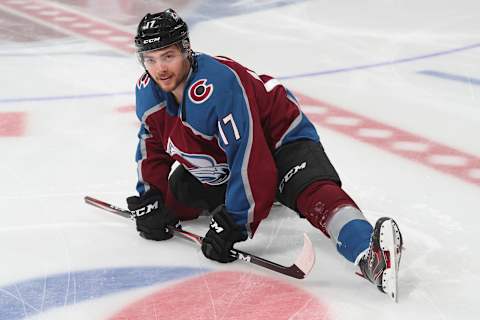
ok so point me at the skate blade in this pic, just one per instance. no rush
(391, 246)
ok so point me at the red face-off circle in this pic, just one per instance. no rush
(227, 295)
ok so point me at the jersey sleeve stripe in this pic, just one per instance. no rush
(246, 158)
(144, 134)
(292, 126)
(152, 110)
(143, 186)
(271, 84)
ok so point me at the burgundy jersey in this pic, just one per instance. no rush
(225, 130)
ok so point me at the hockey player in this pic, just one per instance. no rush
(242, 142)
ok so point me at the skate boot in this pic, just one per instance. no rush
(380, 263)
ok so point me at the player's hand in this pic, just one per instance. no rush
(151, 215)
(221, 236)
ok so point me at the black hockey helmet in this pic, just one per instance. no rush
(159, 30)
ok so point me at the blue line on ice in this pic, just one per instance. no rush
(381, 64)
(304, 75)
(450, 76)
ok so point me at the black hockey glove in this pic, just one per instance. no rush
(151, 215)
(221, 236)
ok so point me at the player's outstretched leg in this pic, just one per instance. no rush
(381, 262)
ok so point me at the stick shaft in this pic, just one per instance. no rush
(292, 271)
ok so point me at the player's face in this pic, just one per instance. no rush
(168, 67)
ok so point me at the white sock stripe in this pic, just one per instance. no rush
(343, 216)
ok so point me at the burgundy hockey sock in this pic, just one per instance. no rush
(327, 207)
(320, 201)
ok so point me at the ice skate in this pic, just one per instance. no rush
(381, 262)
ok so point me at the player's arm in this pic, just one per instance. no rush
(153, 167)
(153, 163)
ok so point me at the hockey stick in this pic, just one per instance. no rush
(299, 270)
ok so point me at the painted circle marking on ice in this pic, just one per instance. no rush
(35, 296)
(227, 295)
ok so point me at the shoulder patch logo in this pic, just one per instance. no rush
(143, 81)
(199, 91)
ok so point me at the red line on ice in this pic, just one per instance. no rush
(407, 145)
(12, 124)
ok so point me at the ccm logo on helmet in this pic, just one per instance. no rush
(199, 91)
(151, 40)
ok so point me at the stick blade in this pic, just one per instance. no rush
(306, 260)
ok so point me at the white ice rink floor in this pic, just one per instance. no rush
(393, 87)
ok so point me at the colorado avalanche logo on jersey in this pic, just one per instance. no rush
(202, 166)
(200, 91)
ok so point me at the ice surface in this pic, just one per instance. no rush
(67, 130)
